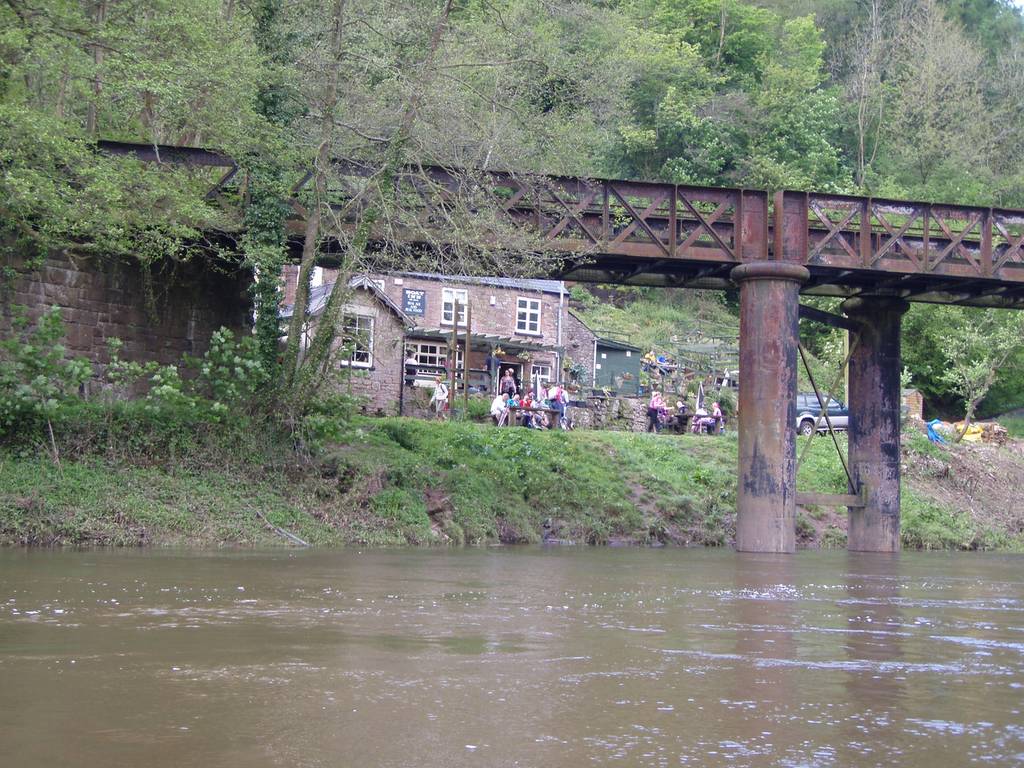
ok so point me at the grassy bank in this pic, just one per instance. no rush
(404, 481)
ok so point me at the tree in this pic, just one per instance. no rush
(937, 134)
(958, 355)
(389, 98)
(795, 145)
(977, 350)
(862, 62)
(155, 72)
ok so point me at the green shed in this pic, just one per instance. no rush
(616, 366)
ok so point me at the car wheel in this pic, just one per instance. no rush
(806, 427)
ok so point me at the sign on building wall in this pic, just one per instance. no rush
(414, 302)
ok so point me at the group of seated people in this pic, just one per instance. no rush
(543, 409)
(660, 415)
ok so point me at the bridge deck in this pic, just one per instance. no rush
(650, 233)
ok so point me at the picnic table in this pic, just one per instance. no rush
(711, 425)
(680, 422)
(513, 409)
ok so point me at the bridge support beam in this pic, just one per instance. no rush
(769, 335)
(874, 399)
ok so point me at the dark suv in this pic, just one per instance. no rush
(808, 410)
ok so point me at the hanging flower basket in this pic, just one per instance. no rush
(498, 351)
(524, 356)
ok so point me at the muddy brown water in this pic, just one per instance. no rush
(510, 657)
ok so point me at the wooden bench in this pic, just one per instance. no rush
(514, 409)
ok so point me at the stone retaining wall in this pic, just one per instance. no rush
(624, 414)
(102, 299)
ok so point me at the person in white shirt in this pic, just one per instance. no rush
(498, 408)
(440, 397)
(558, 399)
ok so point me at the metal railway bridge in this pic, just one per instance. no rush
(877, 254)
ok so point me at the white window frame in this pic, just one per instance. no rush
(526, 307)
(350, 326)
(434, 353)
(536, 378)
(449, 296)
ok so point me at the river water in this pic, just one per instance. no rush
(510, 657)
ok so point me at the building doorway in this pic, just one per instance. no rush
(517, 374)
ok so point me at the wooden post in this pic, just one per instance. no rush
(454, 357)
(465, 364)
(491, 368)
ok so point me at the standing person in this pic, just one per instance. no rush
(440, 397)
(559, 398)
(654, 409)
(507, 385)
(410, 368)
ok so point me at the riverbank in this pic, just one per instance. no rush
(405, 481)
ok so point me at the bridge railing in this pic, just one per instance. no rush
(913, 237)
(659, 221)
(577, 215)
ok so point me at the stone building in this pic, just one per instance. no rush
(370, 344)
(522, 325)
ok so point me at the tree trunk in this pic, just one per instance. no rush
(974, 402)
(99, 17)
(323, 340)
(321, 167)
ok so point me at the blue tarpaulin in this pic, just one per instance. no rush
(934, 436)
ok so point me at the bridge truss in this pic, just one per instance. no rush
(659, 234)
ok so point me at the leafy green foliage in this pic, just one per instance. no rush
(40, 384)
(35, 376)
(957, 355)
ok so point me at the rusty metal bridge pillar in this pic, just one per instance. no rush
(874, 399)
(769, 335)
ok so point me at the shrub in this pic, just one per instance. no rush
(35, 375)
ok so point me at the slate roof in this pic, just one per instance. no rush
(614, 344)
(517, 283)
(318, 299)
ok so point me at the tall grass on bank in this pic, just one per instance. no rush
(130, 477)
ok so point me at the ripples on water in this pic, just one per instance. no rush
(510, 658)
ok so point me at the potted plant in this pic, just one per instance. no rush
(524, 356)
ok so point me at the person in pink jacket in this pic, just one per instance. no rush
(654, 410)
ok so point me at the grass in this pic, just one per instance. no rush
(589, 486)
(402, 481)
(1014, 425)
(101, 503)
